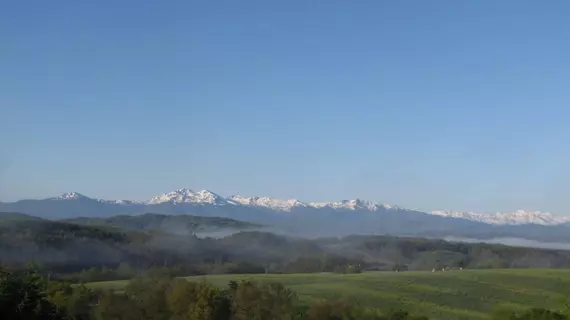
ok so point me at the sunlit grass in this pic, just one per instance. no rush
(467, 294)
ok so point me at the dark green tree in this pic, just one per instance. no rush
(24, 296)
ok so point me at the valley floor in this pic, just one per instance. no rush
(466, 294)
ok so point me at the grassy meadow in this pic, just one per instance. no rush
(466, 294)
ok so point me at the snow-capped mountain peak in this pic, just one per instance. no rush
(272, 203)
(353, 205)
(70, 196)
(237, 199)
(125, 202)
(79, 196)
(188, 196)
(507, 218)
(207, 196)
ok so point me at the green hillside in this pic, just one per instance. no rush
(466, 294)
(11, 217)
(177, 224)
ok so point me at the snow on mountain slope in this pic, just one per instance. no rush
(189, 196)
(79, 196)
(122, 201)
(287, 205)
(70, 196)
(353, 205)
(272, 203)
(205, 197)
(507, 218)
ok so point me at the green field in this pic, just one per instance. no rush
(467, 294)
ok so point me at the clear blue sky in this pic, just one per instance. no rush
(459, 105)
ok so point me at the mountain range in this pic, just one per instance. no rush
(518, 217)
(206, 197)
(308, 219)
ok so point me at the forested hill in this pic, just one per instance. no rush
(57, 243)
(176, 224)
(70, 247)
(10, 217)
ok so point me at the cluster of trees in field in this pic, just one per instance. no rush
(27, 295)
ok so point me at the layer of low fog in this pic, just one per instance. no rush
(516, 242)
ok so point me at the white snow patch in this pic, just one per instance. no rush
(506, 218)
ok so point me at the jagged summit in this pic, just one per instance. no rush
(277, 204)
(79, 196)
(354, 205)
(507, 218)
(287, 205)
(188, 196)
(70, 196)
